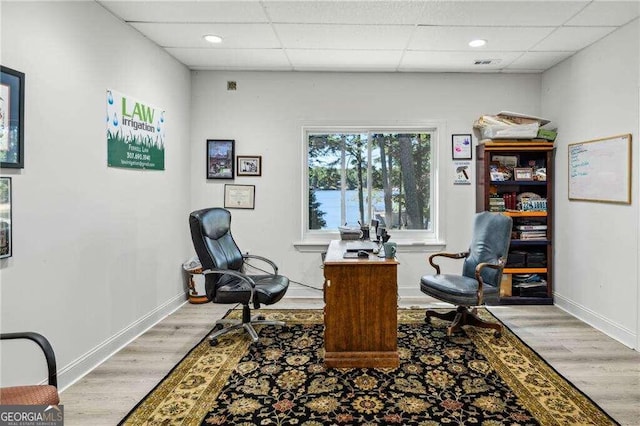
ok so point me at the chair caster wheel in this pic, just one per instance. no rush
(497, 334)
(218, 327)
(261, 317)
(213, 342)
(427, 320)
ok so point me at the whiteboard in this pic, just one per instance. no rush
(600, 170)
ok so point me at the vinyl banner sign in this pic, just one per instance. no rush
(135, 133)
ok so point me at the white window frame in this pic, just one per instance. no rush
(408, 240)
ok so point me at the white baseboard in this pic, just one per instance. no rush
(616, 331)
(81, 366)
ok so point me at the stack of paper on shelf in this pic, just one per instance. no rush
(512, 125)
(532, 232)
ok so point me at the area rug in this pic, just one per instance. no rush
(471, 378)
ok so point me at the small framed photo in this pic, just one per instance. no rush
(6, 242)
(461, 147)
(523, 173)
(240, 196)
(249, 165)
(11, 118)
(220, 158)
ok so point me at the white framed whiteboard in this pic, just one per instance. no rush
(600, 170)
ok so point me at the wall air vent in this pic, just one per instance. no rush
(486, 61)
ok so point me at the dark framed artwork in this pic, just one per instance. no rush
(6, 241)
(11, 118)
(240, 196)
(249, 165)
(461, 147)
(220, 158)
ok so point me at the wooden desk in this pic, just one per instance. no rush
(361, 310)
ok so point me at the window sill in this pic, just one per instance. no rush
(404, 246)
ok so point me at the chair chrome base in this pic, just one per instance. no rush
(463, 316)
(247, 323)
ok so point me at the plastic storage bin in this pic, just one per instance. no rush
(520, 131)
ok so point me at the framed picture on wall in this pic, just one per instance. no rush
(11, 118)
(249, 165)
(6, 242)
(220, 158)
(461, 147)
(239, 196)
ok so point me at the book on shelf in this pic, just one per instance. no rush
(531, 227)
(496, 204)
(510, 200)
(530, 285)
(532, 236)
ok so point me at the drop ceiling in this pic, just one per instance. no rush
(386, 36)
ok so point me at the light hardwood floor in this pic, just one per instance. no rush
(602, 368)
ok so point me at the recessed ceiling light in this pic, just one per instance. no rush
(477, 43)
(213, 38)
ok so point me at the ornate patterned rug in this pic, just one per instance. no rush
(472, 378)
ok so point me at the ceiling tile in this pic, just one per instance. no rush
(361, 37)
(500, 13)
(190, 35)
(455, 61)
(232, 59)
(538, 60)
(351, 60)
(345, 12)
(458, 38)
(605, 13)
(572, 38)
(374, 35)
(187, 11)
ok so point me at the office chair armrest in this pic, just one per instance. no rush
(46, 349)
(449, 255)
(264, 259)
(237, 274)
(479, 268)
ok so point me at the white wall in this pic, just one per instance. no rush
(592, 95)
(266, 114)
(97, 251)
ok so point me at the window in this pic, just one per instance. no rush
(357, 176)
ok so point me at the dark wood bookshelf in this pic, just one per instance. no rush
(533, 154)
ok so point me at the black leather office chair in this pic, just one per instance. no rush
(481, 274)
(223, 267)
